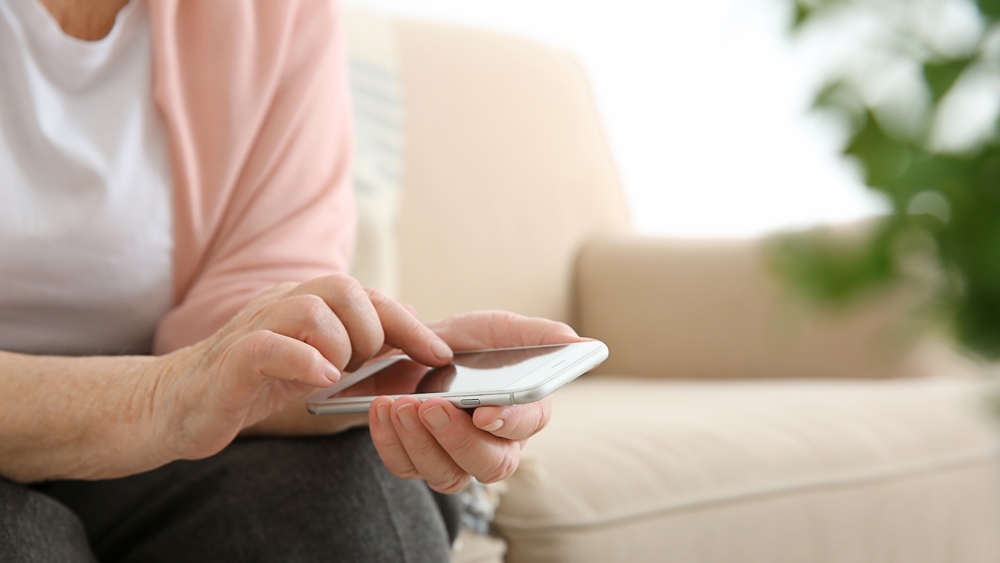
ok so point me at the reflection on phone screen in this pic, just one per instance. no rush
(469, 372)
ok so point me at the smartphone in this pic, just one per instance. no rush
(506, 376)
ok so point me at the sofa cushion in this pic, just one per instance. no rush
(715, 309)
(507, 170)
(808, 470)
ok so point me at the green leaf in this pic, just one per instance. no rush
(801, 14)
(990, 8)
(964, 237)
(951, 175)
(975, 321)
(838, 95)
(988, 174)
(941, 75)
(830, 270)
(883, 157)
(805, 10)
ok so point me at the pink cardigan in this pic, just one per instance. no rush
(254, 98)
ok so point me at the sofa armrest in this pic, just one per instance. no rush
(714, 309)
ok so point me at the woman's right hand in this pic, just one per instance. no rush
(284, 344)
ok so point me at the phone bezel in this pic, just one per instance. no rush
(534, 385)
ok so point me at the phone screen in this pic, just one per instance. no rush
(470, 372)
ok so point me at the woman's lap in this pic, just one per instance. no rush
(34, 527)
(281, 499)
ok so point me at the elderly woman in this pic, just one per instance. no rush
(176, 218)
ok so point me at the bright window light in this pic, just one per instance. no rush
(705, 105)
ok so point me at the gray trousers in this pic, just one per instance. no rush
(281, 499)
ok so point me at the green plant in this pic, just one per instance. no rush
(926, 148)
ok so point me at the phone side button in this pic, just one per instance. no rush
(470, 402)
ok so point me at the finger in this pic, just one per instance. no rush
(394, 432)
(387, 442)
(309, 319)
(263, 355)
(350, 303)
(518, 422)
(501, 329)
(428, 457)
(478, 453)
(406, 332)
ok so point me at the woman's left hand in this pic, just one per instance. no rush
(445, 445)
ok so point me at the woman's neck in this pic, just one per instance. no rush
(89, 20)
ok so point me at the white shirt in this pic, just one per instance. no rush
(86, 229)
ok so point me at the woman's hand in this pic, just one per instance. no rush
(445, 445)
(283, 345)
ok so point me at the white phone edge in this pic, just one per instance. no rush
(581, 366)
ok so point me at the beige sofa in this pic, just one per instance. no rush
(731, 422)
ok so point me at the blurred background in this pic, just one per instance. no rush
(705, 104)
(769, 429)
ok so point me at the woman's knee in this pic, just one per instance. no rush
(337, 488)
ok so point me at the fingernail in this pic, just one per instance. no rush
(437, 417)
(494, 426)
(408, 416)
(332, 373)
(441, 350)
(382, 412)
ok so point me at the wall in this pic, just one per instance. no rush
(704, 102)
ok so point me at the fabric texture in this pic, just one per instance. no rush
(506, 170)
(86, 231)
(814, 470)
(254, 99)
(37, 528)
(715, 309)
(281, 500)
